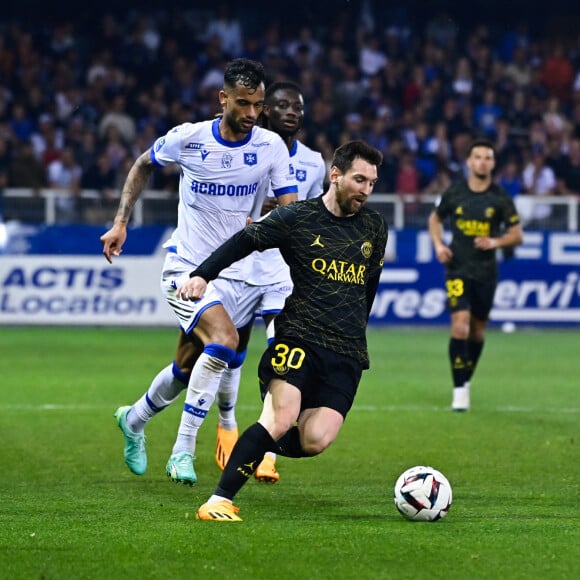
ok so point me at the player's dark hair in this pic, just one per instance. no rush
(281, 86)
(481, 143)
(243, 71)
(349, 151)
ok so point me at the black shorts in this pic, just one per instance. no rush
(324, 378)
(469, 294)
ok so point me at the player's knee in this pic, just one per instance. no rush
(477, 331)
(319, 431)
(460, 330)
(216, 327)
(460, 324)
(313, 447)
(279, 427)
(278, 423)
(226, 337)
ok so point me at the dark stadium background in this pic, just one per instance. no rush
(463, 12)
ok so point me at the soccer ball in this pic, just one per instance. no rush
(423, 494)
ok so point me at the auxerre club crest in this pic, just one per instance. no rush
(366, 250)
(250, 158)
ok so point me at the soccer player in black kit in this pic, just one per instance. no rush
(477, 210)
(309, 375)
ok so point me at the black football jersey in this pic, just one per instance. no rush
(471, 214)
(335, 264)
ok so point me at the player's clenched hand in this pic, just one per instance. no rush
(193, 289)
(444, 254)
(113, 241)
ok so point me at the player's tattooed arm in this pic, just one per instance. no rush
(115, 237)
(134, 184)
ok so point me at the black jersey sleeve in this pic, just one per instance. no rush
(237, 247)
(372, 287)
(444, 204)
(510, 213)
(376, 264)
(269, 232)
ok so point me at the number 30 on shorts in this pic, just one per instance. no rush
(287, 357)
(455, 288)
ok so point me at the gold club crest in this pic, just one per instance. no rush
(366, 249)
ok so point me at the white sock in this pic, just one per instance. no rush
(217, 499)
(201, 392)
(227, 397)
(164, 389)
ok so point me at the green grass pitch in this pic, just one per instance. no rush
(70, 509)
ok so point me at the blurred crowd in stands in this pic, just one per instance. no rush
(79, 101)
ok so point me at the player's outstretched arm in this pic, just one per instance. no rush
(135, 182)
(237, 247)
(261, 235)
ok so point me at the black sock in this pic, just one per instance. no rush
(458, 356)
(474, 350)
(289, 444)
(246, 455)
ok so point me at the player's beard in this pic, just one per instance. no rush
(345, 202)
(237, 127)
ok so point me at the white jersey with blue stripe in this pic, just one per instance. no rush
(218, 184)
(308, 166)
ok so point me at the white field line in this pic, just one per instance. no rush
(355, 409)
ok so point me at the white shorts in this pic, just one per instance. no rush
(223, 291)
(267, 299)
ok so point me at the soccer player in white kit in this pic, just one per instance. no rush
(269, 283)
(222, 163)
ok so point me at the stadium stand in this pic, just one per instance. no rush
(81, 94)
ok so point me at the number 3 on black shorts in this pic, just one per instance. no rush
(455, 288)
(286, 357)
